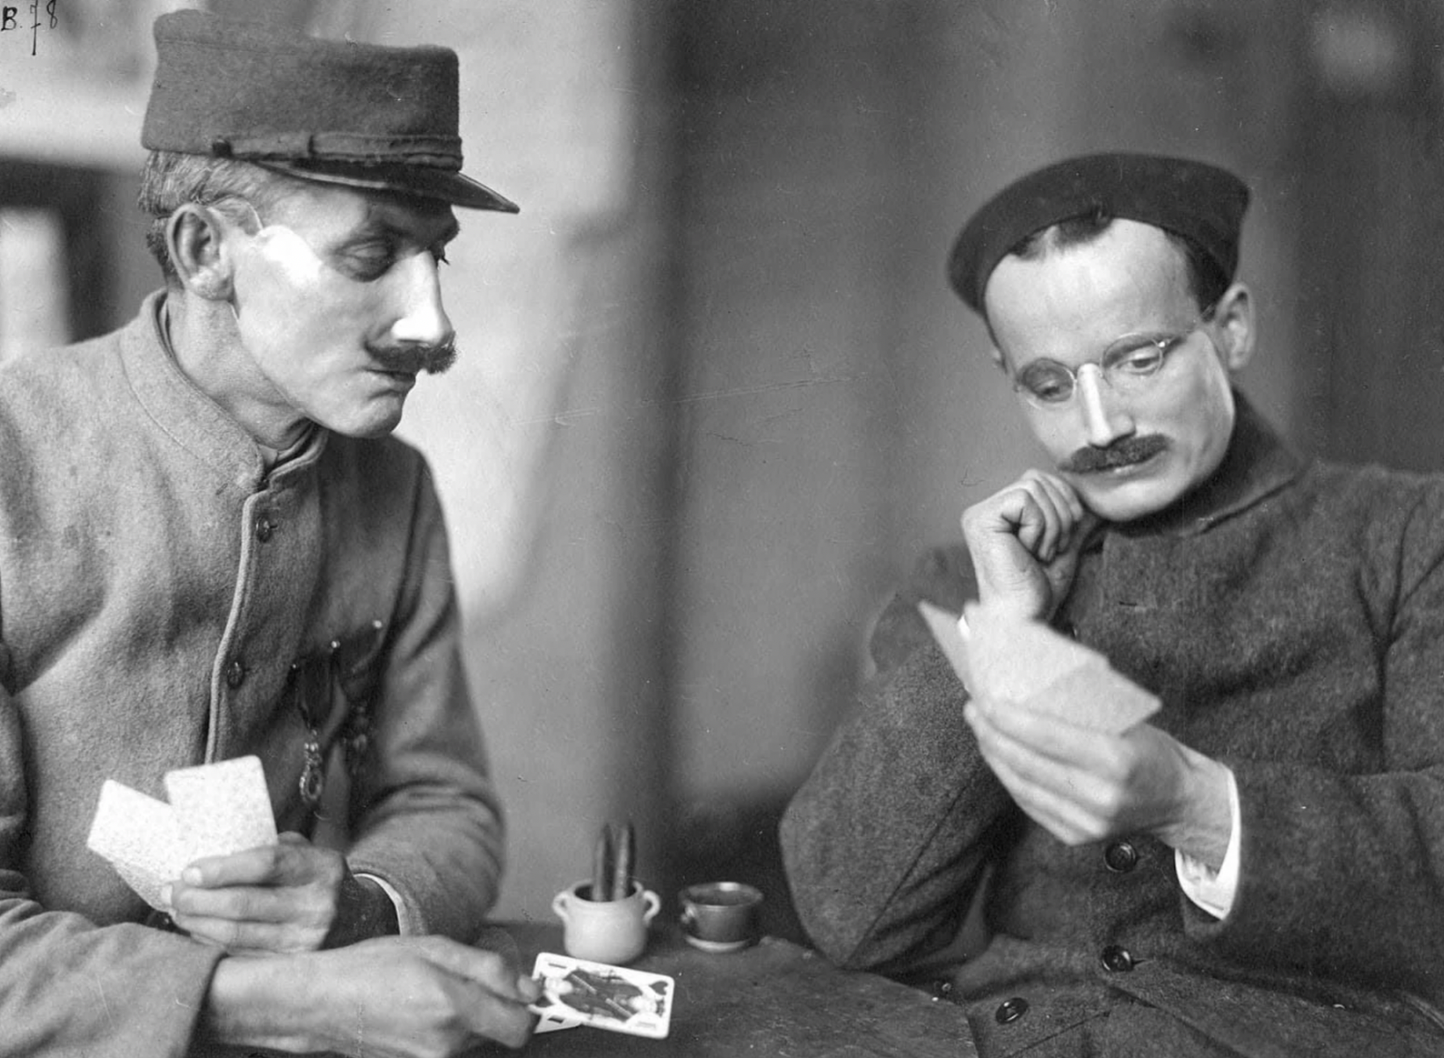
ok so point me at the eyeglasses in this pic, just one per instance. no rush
(1129, 365)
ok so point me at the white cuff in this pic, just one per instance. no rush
(395, 899)
(1209, 889)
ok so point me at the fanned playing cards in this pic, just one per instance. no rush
(616, 998)
(214, 810)
(1006, 658)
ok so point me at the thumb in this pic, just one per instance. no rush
(492, 970)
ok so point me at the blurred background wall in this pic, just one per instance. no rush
(715, 395)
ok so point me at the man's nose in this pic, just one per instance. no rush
(423, 319)
(1104, 420)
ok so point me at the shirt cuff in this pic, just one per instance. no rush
(401, 923)
(1209, 889)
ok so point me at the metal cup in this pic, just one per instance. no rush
(719, 916)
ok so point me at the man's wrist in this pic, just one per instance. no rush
(262, 1001)
(364, 910)
(1205, 820)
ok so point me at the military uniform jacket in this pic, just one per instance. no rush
(1291, 619)
(165, 602)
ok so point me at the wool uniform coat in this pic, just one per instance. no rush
(1291, 619)
(157, 587)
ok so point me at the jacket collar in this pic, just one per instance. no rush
(1256, 465)
(185, 413)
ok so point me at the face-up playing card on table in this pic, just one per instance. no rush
(222, 808)
(615, 998)
(1011, 659)
(554, 1023)
(137, 835)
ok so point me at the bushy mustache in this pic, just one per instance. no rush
(414, 359)
(1122, 453)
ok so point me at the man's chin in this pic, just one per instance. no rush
(1116, 500)
(366, 427)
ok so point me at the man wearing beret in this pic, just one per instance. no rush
(1257, 869)
(211, 548)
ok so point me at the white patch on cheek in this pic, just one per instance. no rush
(290, 254)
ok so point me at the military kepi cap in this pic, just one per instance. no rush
(1193, 199)
(338, 112)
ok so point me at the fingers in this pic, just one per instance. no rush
(506, 1022)
(1060, 509)
(489, 969)
(495, 994)
(1039, 509)
(1015, 538)
(1061, 817)
(1075, 782)
(237, 903)
(247, 937)
(292, 862)
(415, 995)
(1051, 738)
(274, 898)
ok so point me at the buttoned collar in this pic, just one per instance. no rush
(188, 415)
(1256, 465)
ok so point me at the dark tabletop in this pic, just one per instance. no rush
(772, 998)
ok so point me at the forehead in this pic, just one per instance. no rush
(334, 212)
(1070, 302)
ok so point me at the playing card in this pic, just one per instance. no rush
(614, 998)
(137, 835)
(949, 635)
(554, 1023)
(222, 808)
(1011, 658)
(1093, 695)
(1016, 660)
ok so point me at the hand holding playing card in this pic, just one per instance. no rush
(1065, 735)
(382, 998)
(288, 897)
(212, 859)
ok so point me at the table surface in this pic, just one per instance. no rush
(772, 998)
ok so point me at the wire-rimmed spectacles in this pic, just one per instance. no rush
(1128, 365)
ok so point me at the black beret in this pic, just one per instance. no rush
(1201, 202)
(363, 115)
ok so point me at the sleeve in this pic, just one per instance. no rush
(1209, 889)
(426, 818)
(886, 842)
(68, 986)
(396, 901)
(1342, 875)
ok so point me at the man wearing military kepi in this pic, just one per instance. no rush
(1255, 870)
(210, 547)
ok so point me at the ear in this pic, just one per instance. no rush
(200, 244)
(1233, 323)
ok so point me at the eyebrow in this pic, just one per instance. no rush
(377, 222)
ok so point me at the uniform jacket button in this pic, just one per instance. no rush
(235, 674)
(1117, 959)
(1010, 1010)
(1120, 857)
(942, 988)
(264, 528)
